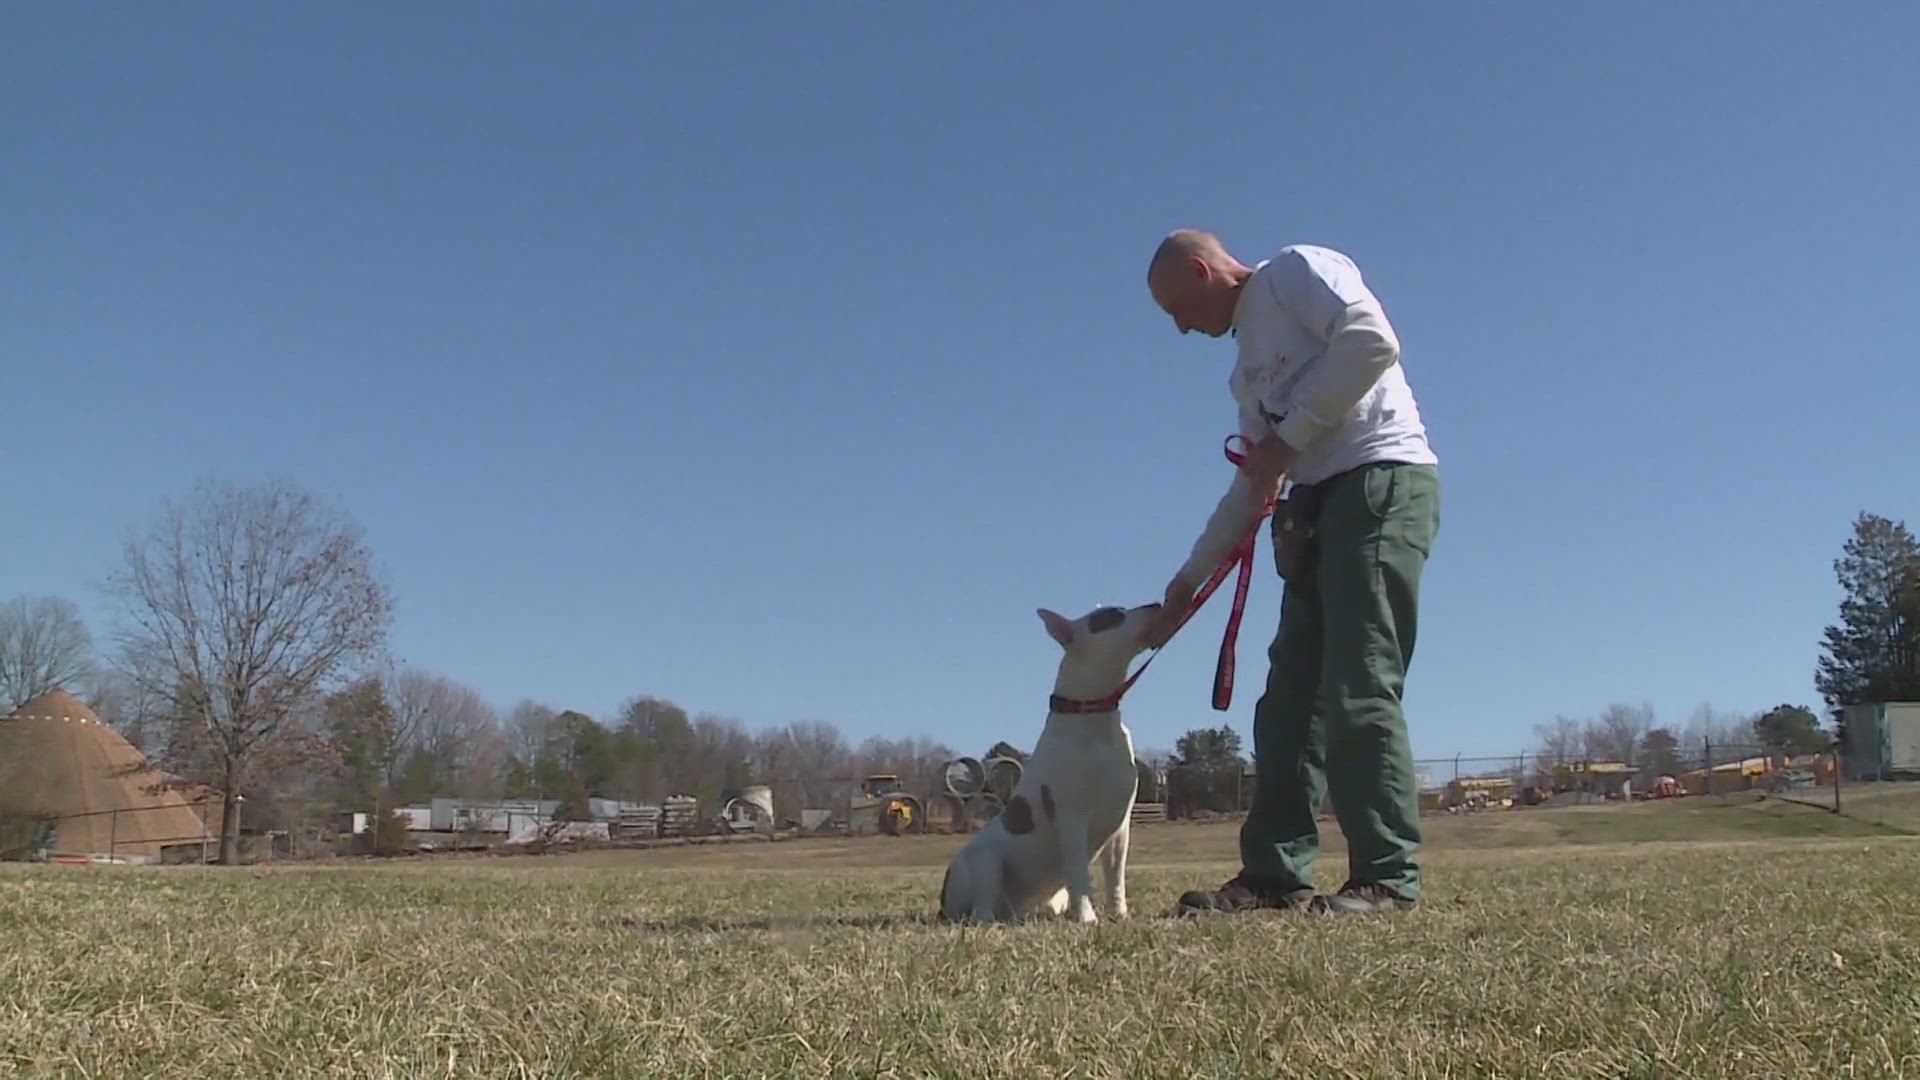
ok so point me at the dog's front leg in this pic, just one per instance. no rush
(1113, 870)
(1076, 862)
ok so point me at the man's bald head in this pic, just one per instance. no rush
(1181, 245)
(1195, 281)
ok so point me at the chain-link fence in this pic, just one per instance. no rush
(166, 831)
(1705, 768)
(174, 831)
(1465, 783)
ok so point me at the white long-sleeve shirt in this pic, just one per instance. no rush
(1319, 366)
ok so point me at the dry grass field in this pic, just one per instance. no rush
(1700, 938)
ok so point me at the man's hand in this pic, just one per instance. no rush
(1173, 608)
(1267, 461)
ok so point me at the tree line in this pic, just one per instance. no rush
(416, 736)
(250, 655)
(1630, 734)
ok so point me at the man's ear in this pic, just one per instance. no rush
(1059, 627)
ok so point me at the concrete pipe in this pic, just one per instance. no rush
(901, 813)
(748, 813)
(964, 776)
(1003, 774)
(946, 814)
(759, 795)
(982, 809)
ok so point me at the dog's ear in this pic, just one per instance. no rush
(1059, 627)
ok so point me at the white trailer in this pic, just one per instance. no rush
(1883, 740)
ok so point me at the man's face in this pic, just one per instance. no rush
(1196, 296)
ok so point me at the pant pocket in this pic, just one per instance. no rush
(1380, 488)
(1414, 508)
(1295, 547)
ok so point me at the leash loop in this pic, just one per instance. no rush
(1240, 558)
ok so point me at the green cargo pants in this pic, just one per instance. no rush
(1330, 720)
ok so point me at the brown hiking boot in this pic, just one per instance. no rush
(1362, 899)
(1245, 893)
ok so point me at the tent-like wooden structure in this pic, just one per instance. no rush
(60, 762)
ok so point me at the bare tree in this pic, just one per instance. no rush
(805, 762)
(915, 757)
(483, 775)
(133, 710)
(1616, 733)
(530, 730)
(721, 754)
(819, 748)
(803, 750)
(438, 722)
(44, 645)
(1560, 743)
(1718, 726)
(242, 608)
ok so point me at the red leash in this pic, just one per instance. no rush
(1242, 557)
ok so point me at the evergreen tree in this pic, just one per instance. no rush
(1871, 652)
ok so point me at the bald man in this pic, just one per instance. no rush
(1324, 405)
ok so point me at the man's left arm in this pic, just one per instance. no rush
(1332, 301)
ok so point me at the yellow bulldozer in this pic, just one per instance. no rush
(894, 810)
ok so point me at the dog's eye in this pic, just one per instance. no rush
(1105, 619)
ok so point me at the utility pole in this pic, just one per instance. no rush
(1836, 776)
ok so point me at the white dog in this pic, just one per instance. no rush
(1074, 801)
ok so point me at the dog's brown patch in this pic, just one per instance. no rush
(1018, 815)
(1046, 800)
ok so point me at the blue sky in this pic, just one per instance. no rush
(783, 363)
